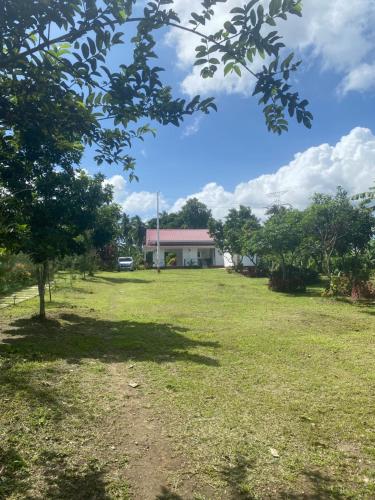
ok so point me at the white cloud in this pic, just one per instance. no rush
(143, 202)
(338, 34)
(118, 183)
(361, 78)
(193, 128)
(136, 202)
(350, 163)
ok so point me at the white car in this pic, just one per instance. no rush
(125, 264)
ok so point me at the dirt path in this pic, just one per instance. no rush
(153, 467)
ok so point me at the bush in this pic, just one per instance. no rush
(292, 279)
(363, 290)
(310, 276)
(16, 271)
(340, 285)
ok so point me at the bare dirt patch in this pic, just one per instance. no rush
(154, 468)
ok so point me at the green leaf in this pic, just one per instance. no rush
(228, 68)
(275, 7)
(85, 50)
(92, 45)
(122, 15)
(237, 10)
(287, 61)
(253, 17)
(198, 62)
(230, 28)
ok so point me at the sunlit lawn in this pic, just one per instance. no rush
(264, 395)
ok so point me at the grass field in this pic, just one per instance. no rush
(243, 393)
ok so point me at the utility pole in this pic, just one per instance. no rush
(157, 234)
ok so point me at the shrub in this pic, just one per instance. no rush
(310, 276)
(363, 290)
(16, 271)
(291, 279)
(340, 285)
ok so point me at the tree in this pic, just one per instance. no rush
(337, 226)
(230, 235)
(194, 215)
(105, 234)
(367, 197)
(58, 210)
(137, 232)
(279, 240)
(132, 237)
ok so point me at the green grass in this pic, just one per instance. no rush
(229, 369)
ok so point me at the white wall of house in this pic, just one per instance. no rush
(245, 262)
(189, 254)
(219, 258)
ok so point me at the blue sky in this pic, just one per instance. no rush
(222, 158)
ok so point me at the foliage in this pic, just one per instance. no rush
(232, 235)
(279, 240)
(55, 212)
(78, 37)
(339, 285)
(337, 226)
(16, 271)
(331, 235)
(287, 279)
(193, 215)
(102, 240)
(367, 197)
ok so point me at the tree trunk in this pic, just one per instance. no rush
(42, 278)
(283, 270)
(328, 265)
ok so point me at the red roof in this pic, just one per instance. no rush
(179, 237)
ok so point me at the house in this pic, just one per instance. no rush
(187, 247)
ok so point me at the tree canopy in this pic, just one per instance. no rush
(193, 215)
(232, 234)
(68, 44)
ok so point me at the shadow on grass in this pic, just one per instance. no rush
(235, 474)
(73, 337)
(316, 487)
(65, 480)
(366, 306)
(119, 279)
(62, 480)
(13, 473)
(311, 291)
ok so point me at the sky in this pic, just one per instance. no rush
(229, 158)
